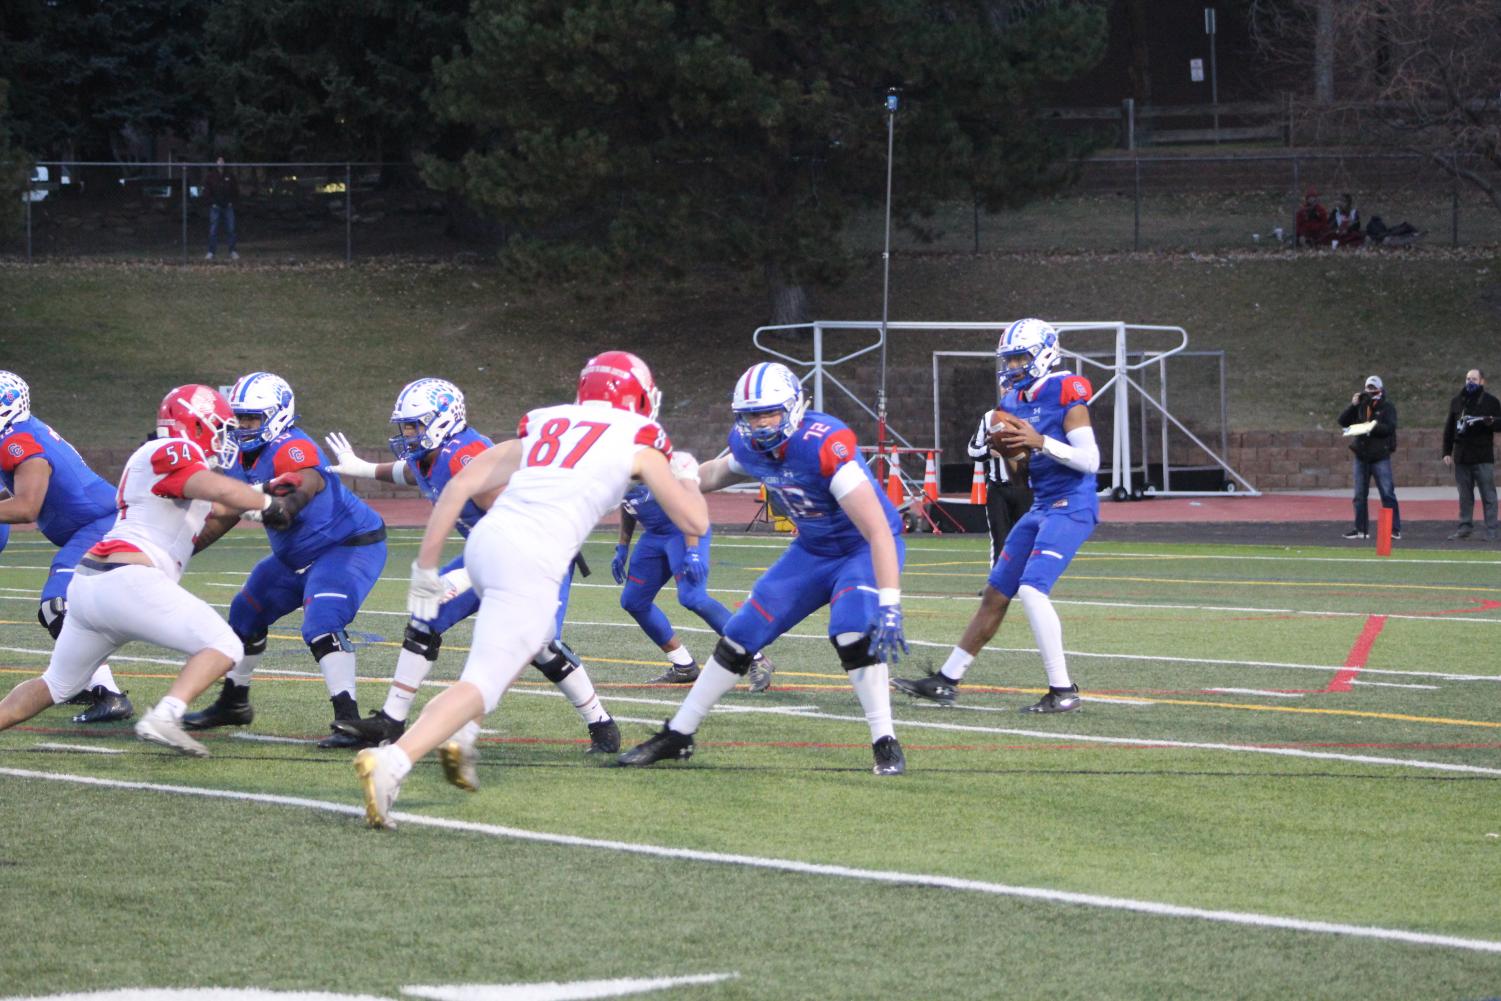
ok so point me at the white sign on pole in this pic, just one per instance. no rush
(1196, 70)
(1209, 25)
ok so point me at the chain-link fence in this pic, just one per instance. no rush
(1122, 201)
(1218, 202)
(284, 211)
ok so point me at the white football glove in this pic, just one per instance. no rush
(684, 466)
(455, 583)
(346, 463)
(425, 593)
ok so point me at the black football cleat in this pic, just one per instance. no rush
(666, 744)
(375, 730)
(934, 688)
(231, 708)
(760, 673)
(604, 737)
(1057, 700)
(889, 757)
(677, 674)
(106, 707)
(345, 711)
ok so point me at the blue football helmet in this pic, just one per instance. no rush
(1028, 350)
(766, 387)
(15, 400)
(436, 407)
(263, 395)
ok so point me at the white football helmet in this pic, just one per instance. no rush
(1034, 343)
(436, 406)
(15, 400)
(263, 395)
(763, 388)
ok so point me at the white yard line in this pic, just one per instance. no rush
(887, 877)
(77, 747)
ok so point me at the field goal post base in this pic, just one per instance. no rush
(1122, 368)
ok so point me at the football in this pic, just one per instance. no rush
(1000, 423)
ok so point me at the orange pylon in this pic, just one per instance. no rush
(930, 480)
(894, 489)
(977, 485)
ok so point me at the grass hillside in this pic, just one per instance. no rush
(100, 342)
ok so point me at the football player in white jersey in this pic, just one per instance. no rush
(126, 587)
(569, 466)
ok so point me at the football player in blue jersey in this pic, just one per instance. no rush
(50, 484)
(325, 562)
(1060, 457)
(847, 555)
(665, 553)
(433, 441)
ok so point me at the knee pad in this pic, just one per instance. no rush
(255, 645)
(326, 643)
(854, 654)
(420, 640)
(733, 657)
(51, 614)
(556, 661)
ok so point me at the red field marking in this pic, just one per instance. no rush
(1344, 680)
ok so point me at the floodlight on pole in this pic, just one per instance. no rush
(893, 101)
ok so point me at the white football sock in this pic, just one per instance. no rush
(401, 765)
(873, 687)
(681, 657)
(241, 672)
(958, 662)
(104, 676)
(173, 708)
(411, 669)
(1048, 632)
(713, 681)
(338, 672)
(579, 690)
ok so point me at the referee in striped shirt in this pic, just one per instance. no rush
(1006, 500)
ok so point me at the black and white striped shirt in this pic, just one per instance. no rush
(979, 450)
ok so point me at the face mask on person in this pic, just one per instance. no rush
(1471, 388)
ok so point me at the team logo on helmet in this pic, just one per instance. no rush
(428, 412)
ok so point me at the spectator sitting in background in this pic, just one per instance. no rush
(1345, 224)
(1311, 224)
(1400, 235)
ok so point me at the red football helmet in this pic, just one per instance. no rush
(200, 414)
(622, 380)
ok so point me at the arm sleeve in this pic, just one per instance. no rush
(18, 449)
(846, 478)
(837, 450)
(1081, 454)
(1449, 431)
(462, 457)
(294, 455)
(1386, 421)
(1348, 416)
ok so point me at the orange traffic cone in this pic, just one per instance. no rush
(977, 485)
(894, 489)
(930, 480)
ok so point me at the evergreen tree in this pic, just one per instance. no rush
(651, 136)
(100, 79)
(299, 79)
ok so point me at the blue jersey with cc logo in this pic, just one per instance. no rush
(446, 461)
(798, 475)
(1044, 405)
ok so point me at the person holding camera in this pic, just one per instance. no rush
(1470, 450)
(1371, 421)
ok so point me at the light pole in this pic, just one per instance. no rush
(893, 100)
(1214, 81)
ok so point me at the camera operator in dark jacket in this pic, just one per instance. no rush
(1371, 422)
(1469, 447)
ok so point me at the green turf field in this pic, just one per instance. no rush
(1283, 785)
